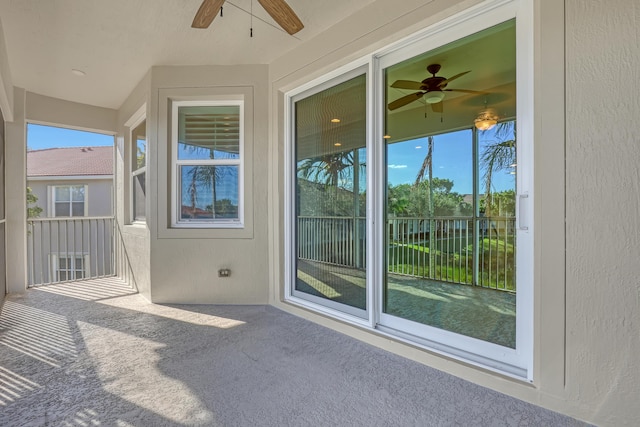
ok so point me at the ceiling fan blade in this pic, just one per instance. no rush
(479, 92)
(283, 15)
(444, 82)
(401, 102)
(437, 107)
(207, 12)
(407, 84)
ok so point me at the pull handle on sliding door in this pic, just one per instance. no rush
(522, 212)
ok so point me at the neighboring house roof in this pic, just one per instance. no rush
(72, 161)
(189, 212)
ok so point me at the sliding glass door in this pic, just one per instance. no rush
(411, 222)
(450, 160)
(330, 195)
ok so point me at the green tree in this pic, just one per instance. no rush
(328, 184)
(398, 197)
(502, 203)
(414, 200)
(331, 169)
(33, 210)
(205, 177)
(497, 156)
(224, 207)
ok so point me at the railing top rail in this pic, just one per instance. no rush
(428, 218)
(434, 218)
(329, 217)
(68, 218)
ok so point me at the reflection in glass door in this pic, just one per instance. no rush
(330, 196)
(451, 188)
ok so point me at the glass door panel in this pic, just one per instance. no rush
(450, 189)
(330, 196)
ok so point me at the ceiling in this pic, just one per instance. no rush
(115, 42)
(490, 58)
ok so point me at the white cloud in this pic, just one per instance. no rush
(397, 166)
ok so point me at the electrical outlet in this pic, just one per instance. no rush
(224, 272)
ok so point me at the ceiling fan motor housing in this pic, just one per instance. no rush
(434, 96)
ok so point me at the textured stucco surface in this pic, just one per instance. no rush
(95, 353)
(598, 379)
(603, 207)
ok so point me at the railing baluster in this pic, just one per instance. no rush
(504, 245)
(32, 238)
(448, 237)
(96, 239)
(75, 253)
(430, 248)
(103, 250)
(50, 234)
(33, 253)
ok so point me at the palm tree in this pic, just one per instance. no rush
(331, 169)
(427, 165)
(334, 170)
(497, 156)
(204, 177)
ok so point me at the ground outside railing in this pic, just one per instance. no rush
(474, 251)
(68, 249)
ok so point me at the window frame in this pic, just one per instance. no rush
(516, 363)
(176, 204)
(331, 308)
(55, 266)
(137, 172)
(53, 201)
(136, 119)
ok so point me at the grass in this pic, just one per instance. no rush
(451, 260)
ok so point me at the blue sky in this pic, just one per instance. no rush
(40, 137)
(452, 159)
(451, 155)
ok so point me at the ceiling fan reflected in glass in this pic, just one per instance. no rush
(279, 10)
(432, 89)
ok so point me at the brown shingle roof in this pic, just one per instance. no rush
(70, 161)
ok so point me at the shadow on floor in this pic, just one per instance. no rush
(88, 354)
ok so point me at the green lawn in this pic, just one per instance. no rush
(451, 260)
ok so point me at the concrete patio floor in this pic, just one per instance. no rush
(96, 353)
(477, 312)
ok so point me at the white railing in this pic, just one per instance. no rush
(333, 240)
(478, 251)
(68, 249)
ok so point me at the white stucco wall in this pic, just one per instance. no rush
(184, 263)
(58, 112)
(16, 225)
(603, 209)
(172, 265)
(6, 82)
(134, 259)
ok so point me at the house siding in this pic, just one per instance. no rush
(99, 195)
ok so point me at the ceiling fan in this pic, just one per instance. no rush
(432, 89)
(278, 9)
